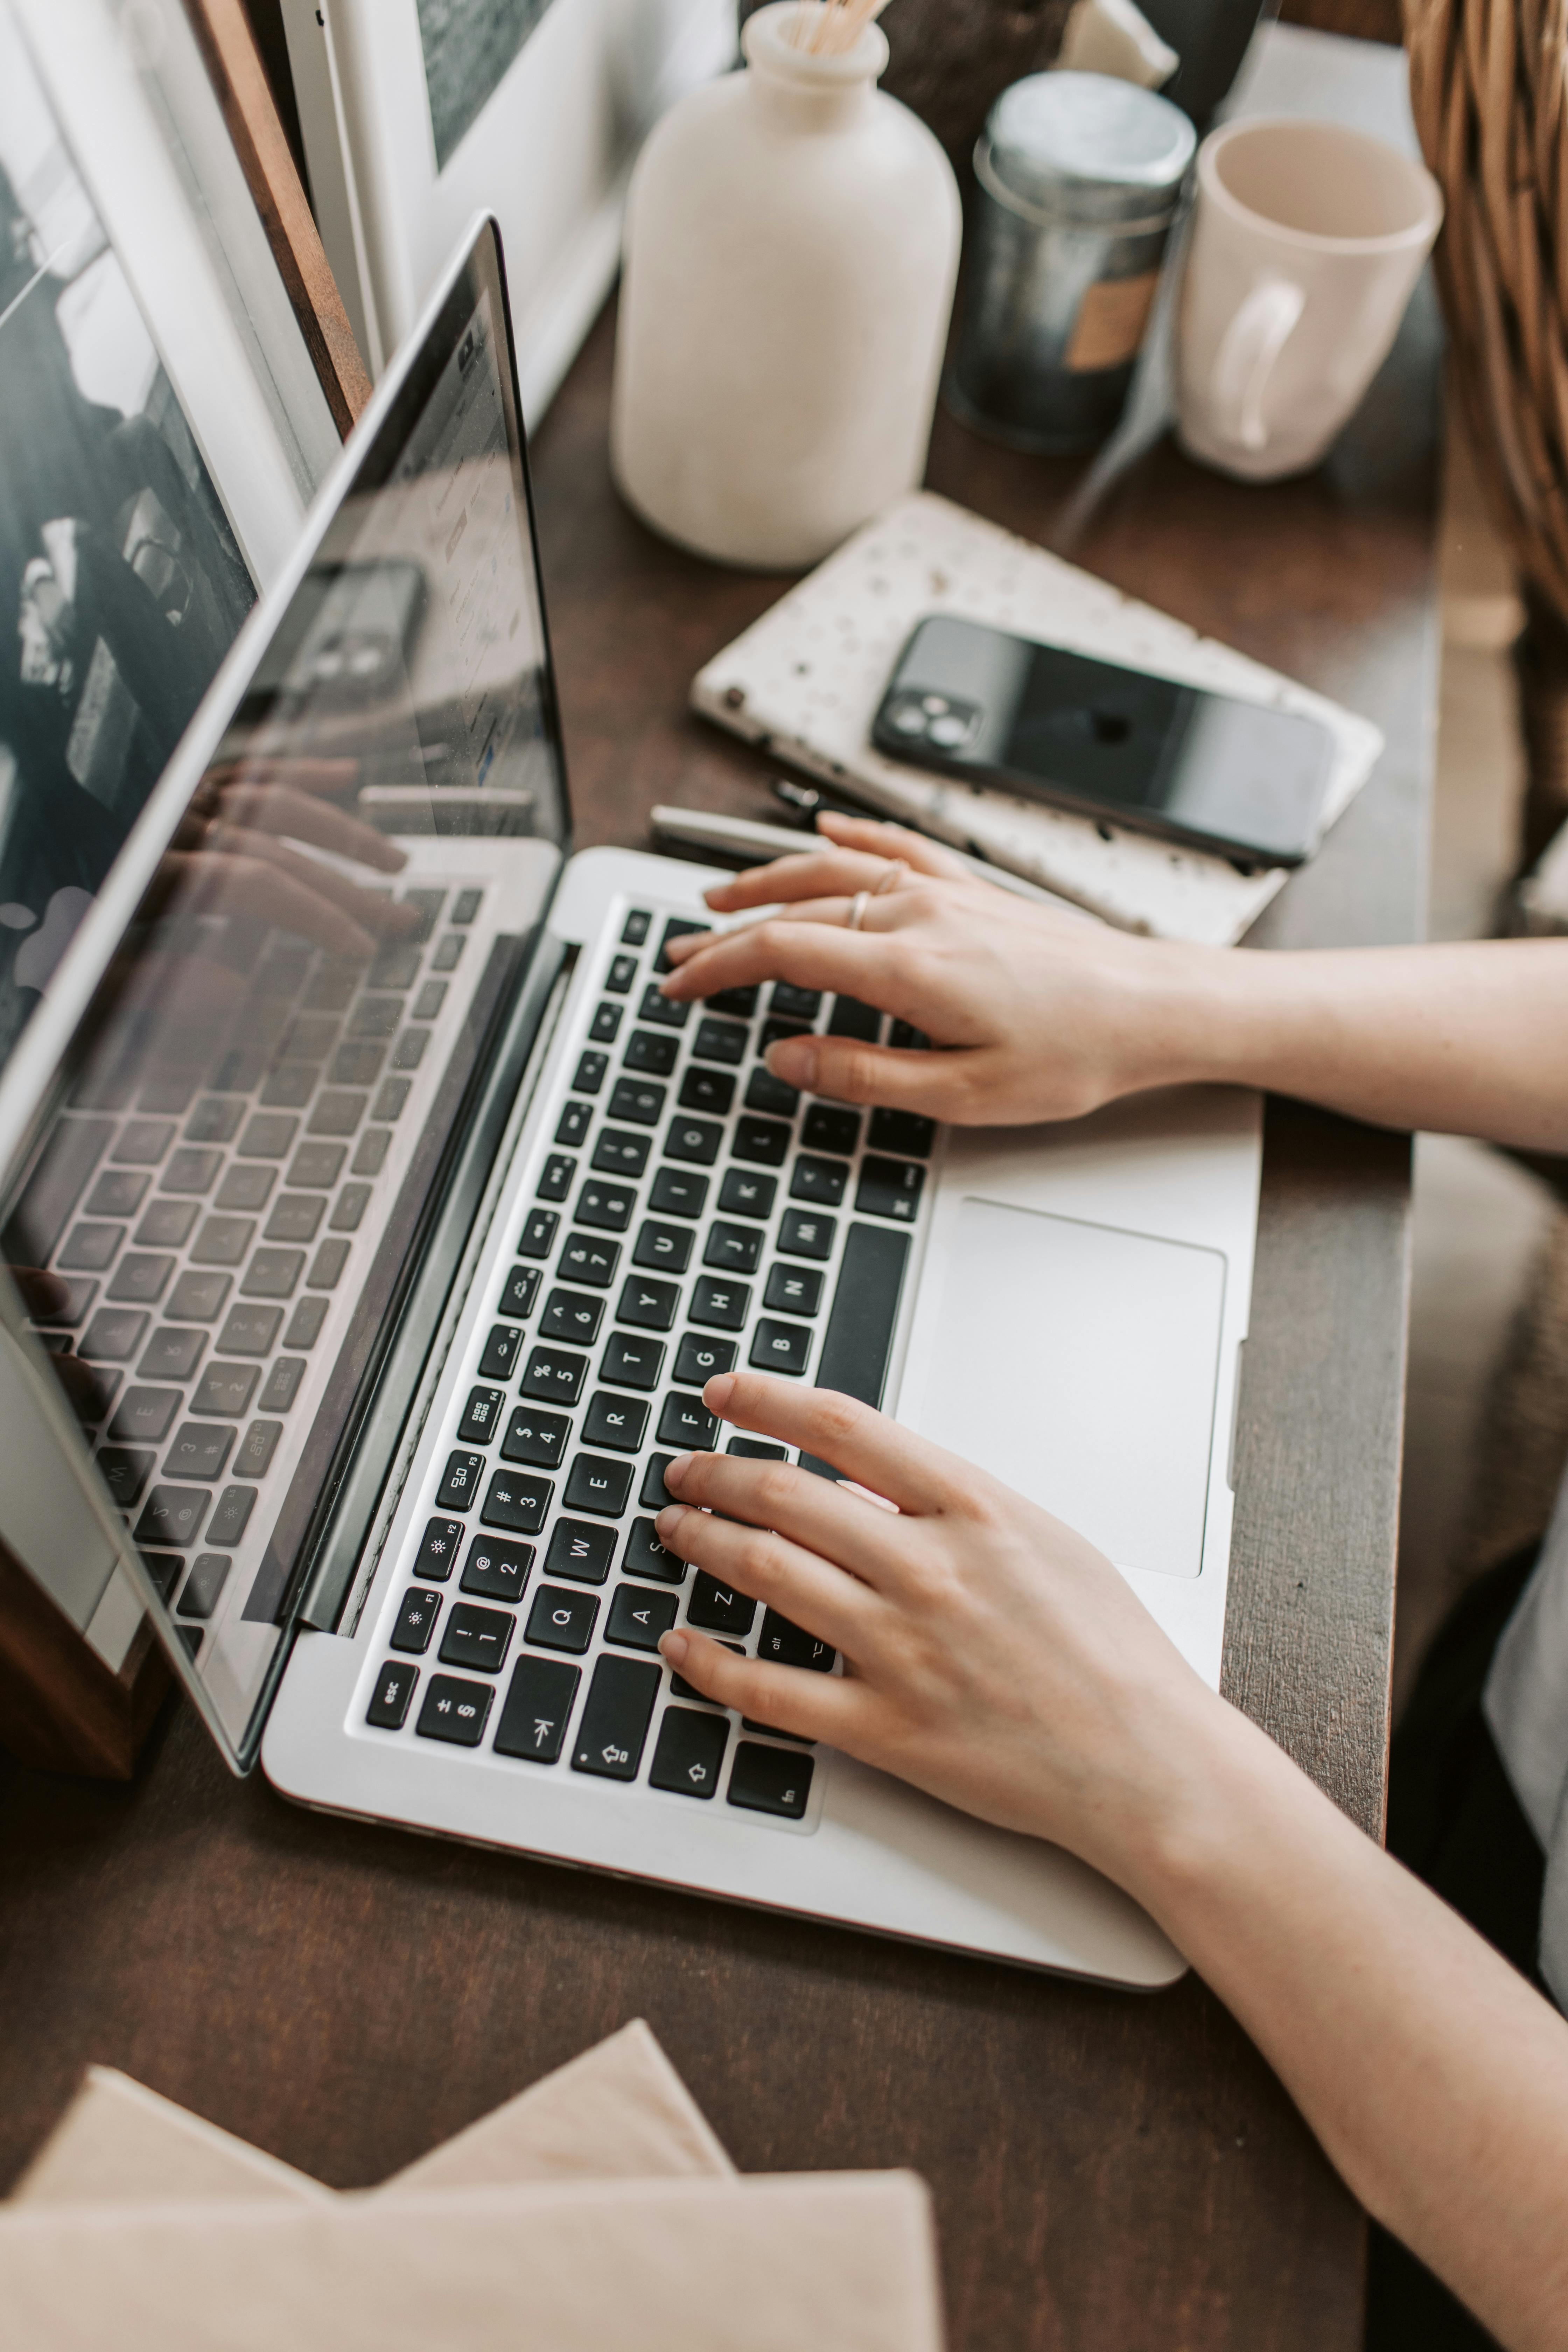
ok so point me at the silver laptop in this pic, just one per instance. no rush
(383, 1290)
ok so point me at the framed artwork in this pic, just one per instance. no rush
(416, 114)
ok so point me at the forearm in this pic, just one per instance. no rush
(1435, 2076)
(1470, 1039)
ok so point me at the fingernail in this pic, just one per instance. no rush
(673, 1648)
(677, 1469)
(719, 1391)
(668, 1522)
(795, 1059)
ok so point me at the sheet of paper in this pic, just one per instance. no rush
(806, 679)
(620, 2111)
(839, 2262)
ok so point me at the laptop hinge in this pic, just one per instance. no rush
(374, 1487)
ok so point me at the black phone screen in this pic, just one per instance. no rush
(1240, 777)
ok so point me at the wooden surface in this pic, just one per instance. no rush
(1112, 2174)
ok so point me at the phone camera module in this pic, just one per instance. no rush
(909, 717)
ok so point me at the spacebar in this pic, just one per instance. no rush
(859, 1337)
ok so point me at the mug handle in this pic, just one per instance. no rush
(1248, 351)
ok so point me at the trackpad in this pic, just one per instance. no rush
(1078, 1363)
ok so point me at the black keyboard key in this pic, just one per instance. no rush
(538, 1237)
(635, 930)
(618, 1153)
(113, 1336)
(251, 1330)
(686, 1422)
(905, 1038)
(476, 1638)
(466, 906)
(516, 1503)
(167, 1223)
(739, 1002)
(655, 1496)
(349, 1208)
(676, 929)
(518, 1292)
(743, 1194)
(117, 1193)
(389, 1701)
(560, 1620)
(637, 1101)
(143, 1141)
(734, 1249)
(460, 1481)
(556, 1182)
(92, 1391)
(622, 972)
(282, 1384)
(125, 1472)
(722, 1305)
(315, 1167)
(804, 1235)
(295, 1218)
(247, 1185)
(904, 1132)
(226, 1390)
(708, 1090)
(826, 1128)
(796, 1004)
(502, 1350)
(762, 1140)
(586, 1258)
(595, 1483)
(428, 905)
(454, 1711)
(618, 1421)
(695, 1140)
(771, 1779)
(439, 1548)
(859, 1335)
(574, 1123)
(631, 1363)
(616, 1718)
(767, 1093)
(605, 1021)
(290, 1086)
(678, 1193)
(305, 1323)
(172, 1514)
(720, 1041)
(747, 1725)
(416, 1615)
(87, 1249)
(338, 1112)
(700, 1360)
(537, 1438)
(782, 1347)
(590, 1075)
(655, 1056)
(662, 1010)
(480, 1415)
(850, 1018)
(498, 1570)
(757, 1449)
(229, 1521)
(818, 1180)
(636, 1618)
(537, 1710)
(213, 1120)
(773, 1029)
(580, 1551)
(554, 1376)
(395, 965)
(171, 1355)
(141, 1279)
(666, 1248)
(718, 1609)
(689, 1754)
(145, 1416)
(608, 1206)
(646, 1556)
(794, 1290)
(273, 1274)
(371, 1150)
(71, 1310)
(786, 1644)
(223, 1241)
(889, 1188)
(647, 1306)
(571, 1315)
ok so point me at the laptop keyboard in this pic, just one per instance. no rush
(210, 1227)
(686, 1213)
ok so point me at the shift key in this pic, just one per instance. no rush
(615, 1719)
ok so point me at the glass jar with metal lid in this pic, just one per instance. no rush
(1078, 180)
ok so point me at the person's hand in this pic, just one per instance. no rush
(991, 1656)
(1043, 1015)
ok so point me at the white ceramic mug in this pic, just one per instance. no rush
(1305, 246)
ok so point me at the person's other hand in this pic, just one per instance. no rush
(991, 1656)
(1039, 1016)
(233, 853)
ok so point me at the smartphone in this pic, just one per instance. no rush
(985, 707)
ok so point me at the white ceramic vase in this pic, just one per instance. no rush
(790, 247)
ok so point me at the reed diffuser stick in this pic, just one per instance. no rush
(830, 28)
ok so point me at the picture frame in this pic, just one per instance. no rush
(416, 114)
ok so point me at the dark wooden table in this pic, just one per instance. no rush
(1112, 2173)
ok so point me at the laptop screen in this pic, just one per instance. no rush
(267, 1060)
